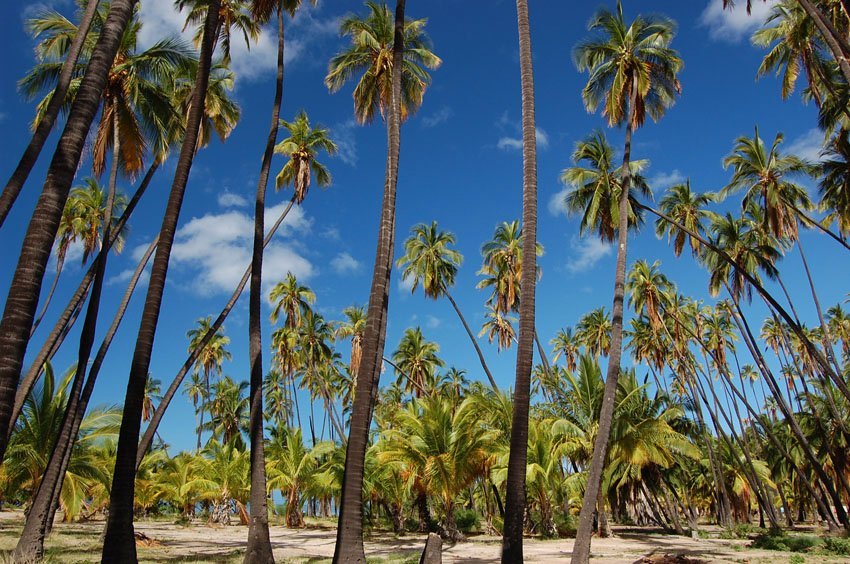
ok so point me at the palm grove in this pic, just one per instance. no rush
(724, 416)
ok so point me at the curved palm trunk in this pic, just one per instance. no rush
(119, 543)
(515, 505)
(259, 546)
(31, 544)
(147, 438)
(474, 341)
(60, 262)
(42, 131)
(69, 315)
(581, 549)
(837, 44)
(25, 287)
(349, 539)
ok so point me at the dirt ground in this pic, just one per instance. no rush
(200, 543)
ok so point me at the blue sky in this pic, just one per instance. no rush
(460, 166)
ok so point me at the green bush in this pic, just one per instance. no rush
(796, 559)
(565, 525)
(837, 545)
(778, 540)
(467, 520)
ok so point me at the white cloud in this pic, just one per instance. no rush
(440, 116)
(344, 263)
(331, 234)
(125, 275)
(515, 143)
(405, 285)
(432, 322)
(586, 253)
(556, 202)
(733, 25)
(664, 180)
(215, 249)
(231, 200)
(346, 142)
(807, 146)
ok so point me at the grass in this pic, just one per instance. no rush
(809, 544)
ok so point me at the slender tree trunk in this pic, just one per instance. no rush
(25, 287)
(581, 549)
(69, 315)
(45, 125)
(474, 341)
(836, 43)
(515, 502)
(30, 546)
(60, 262)
(147, 438)
(259, 546)
(119, 543)
(349, 540)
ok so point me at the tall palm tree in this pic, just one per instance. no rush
(301, 147)
(593, 331)
(392, 56)
(292, 299)
(119, 541)
(52, 109)
(632, 72)
(430, 262)
(211, 356)
(687, 208)
(835, 182)
(502, 267)
(153, 394)
(233, 15)
(353, 328)
(417, 360)
(566, 344)
(498, 326)
(25, 286)
(515, 484)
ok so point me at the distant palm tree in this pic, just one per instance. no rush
(210, 360)
(417, 360)
(499, 327)
(233, 15)
(292, 299)
(153, 394)
(593, 331)
(835, 182)
(566, 344)
(301, 147)
(687, 208)
(353, 328)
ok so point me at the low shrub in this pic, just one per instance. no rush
(468, 520)
(837, 545)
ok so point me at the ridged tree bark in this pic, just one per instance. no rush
(150, 432)
(259, 545)
(68, 317)
(25, 287)
(349, 536)
(581, 548)
(516, 495)
(119, 543)
(45, 125)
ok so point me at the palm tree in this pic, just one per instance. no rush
(632, 72)
(378, 48)
(593, 331)
(835, 182)
(51, 110)
(228, 410)
(119, 542)
(687, 208)
(233, 14)
(566, 344)
(301, 147)
(417, 360)
(153, 394)
(430, 262)
(291, 298)
(498, 327)
(211, 356)
(515, 484)
(25, 286)
(353, 328)
(502, 267)
(649, 291)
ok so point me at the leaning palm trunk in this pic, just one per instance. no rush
(836, 43)
(515, 505)
(119, 543)
(25, 287)
(349, 538)
(581, 550)
(45, 125)
(31, 544)
(68, 317)
(147, 438)
(259, 549)
(474, 341)
(60, 263)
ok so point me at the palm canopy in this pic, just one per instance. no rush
(502, 268)
(765, 177)
(370, 55)
(352, 328)
(687, 208)
(214, 352)
(649, 290)
(302, 146)
(597, 185)
(292, 299)
(593, 331)
(82, 220)
(835, 182)
(629, 61)
(136, 98)
(417, 359)
(234, 15)
(429, 261)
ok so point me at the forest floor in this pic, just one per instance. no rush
(169, 542)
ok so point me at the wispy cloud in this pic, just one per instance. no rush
(515, 143)
(807, 146)
(344, 263)
(232, 200)
(405, 285)
(586, 252)
(733, 25)
(664, 180)
(346, 141)
(557, 206)
(436, 118)
(432, 322)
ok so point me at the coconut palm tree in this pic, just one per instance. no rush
(153, 394)
(392, 57)
(687, 208)
(499, 327)
(213, 353)
(119, 541)
(835, 182)
(649, 291)
(417, 360)
(353, 328)
(430, 262)
(593, 332)
(228, 410)
(233, 15)
(566, 344)
(301, 148)
(292, 299)
(632, 73)
(502, 267)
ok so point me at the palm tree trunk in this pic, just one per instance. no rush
(834, 40)
(147, 438)
(515, 502)
(60, 262)
(42, 131)
(349, 540)
(581, 549)
(812, 221)
(474, 341)
(25, 287)
(68, 317)
(31, 544)
(119, 543)
(259, 548)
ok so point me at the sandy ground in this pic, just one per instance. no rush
(201, 543)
